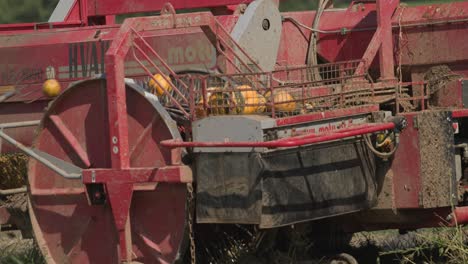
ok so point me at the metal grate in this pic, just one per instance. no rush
(285, 92)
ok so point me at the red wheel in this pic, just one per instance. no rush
(67, 228)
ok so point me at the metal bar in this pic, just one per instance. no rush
(167, 174)
(173, 100)
(32, 26)
(119, 195)
(341, 130)
(57, 191)
(42, 160)
(326, 115)
(238, 46)
(192, 105)
(292, 142)
(75, 191)
(116, 7)
(226, 44)
(148, 46)
(339, 31)
(397, 97)
(116, 96)
(272, 95)
(7, 95)
(160, 72)
(382, 40)
(370, 53)
(460, 113)
(13, 191)
(385, 10)
(20, 124)
(62, 10)
(205, 94)
(459, 216)
(229, 59)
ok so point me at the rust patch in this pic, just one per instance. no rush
(385, 199)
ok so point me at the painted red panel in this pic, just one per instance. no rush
(406, 167)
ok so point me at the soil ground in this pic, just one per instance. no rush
(384, 247)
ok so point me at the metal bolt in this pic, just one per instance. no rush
(266, 24)
(93, 176)
(114, 140)
(115, 149)
(449, 218)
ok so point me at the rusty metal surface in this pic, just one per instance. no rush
(436, 142)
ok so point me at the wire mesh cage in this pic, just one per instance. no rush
(246, 90)
(285, 92)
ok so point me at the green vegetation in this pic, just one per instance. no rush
(16, 11)
(431, 246)
(21, 252)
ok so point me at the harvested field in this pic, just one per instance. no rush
(437, 245)
(223, 244)
(16, 250)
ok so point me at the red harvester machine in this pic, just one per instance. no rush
(256, 117)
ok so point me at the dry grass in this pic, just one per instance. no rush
(435, 245)
(13, 172)
(440, 245)
(16, 250)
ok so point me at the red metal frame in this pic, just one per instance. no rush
(112, 7)
(97, 12)
(285, 121)
(382, 41)
(287, 142)
(14, 28)
(170, 174)
(459, 216)
(120, 191)
(459, 113)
